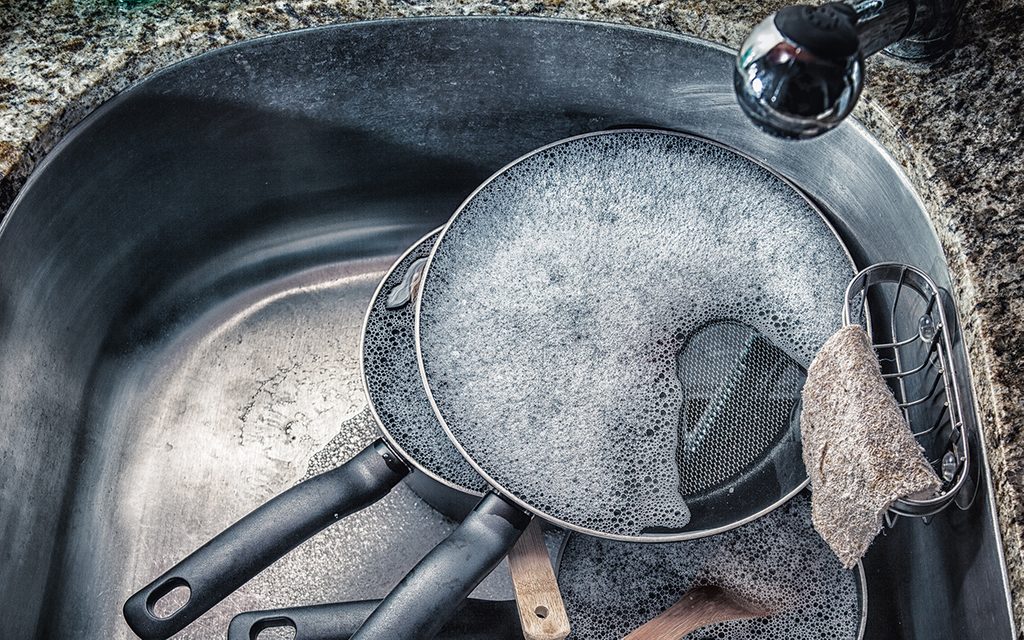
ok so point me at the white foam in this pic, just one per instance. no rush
(554, 306)
(779, 561)
(394, 384)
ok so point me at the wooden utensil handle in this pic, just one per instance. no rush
(538, 598)
(700, 607)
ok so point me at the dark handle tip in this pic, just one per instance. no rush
(140, 609)
(249, 625)
(473, 620)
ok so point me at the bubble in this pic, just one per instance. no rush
(610, 588)
(556, 305)
(393, 377)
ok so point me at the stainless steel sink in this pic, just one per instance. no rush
(182, 282)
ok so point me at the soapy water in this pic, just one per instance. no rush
(778, 561)
(393, 376)
(551, 307)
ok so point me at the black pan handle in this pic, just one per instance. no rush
(317, 622)
(253, 543)
(431, 593)
(475, 620)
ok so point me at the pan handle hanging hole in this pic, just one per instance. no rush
(169, 598)
(274, 629)
(541, 611)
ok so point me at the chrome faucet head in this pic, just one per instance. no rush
(800, 71)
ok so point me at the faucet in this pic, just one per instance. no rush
(800, 71)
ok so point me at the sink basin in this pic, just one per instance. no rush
(183, 279)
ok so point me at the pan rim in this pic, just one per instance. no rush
(497, 487)
(389, 438)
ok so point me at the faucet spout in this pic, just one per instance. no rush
(801, 70)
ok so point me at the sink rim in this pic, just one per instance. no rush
(124, 94)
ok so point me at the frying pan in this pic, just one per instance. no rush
(523, 268)
(411, 446)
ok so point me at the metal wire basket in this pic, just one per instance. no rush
(902, 310)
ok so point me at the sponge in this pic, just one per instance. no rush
(858, 449)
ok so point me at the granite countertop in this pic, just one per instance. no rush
(955, 127)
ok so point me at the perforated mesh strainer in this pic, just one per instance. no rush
(614, 328)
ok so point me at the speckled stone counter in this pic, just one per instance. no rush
(955, 127)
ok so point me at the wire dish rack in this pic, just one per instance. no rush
(902, 310)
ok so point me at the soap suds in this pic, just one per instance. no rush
(551, 308)
(393, 376)
(779, 561)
